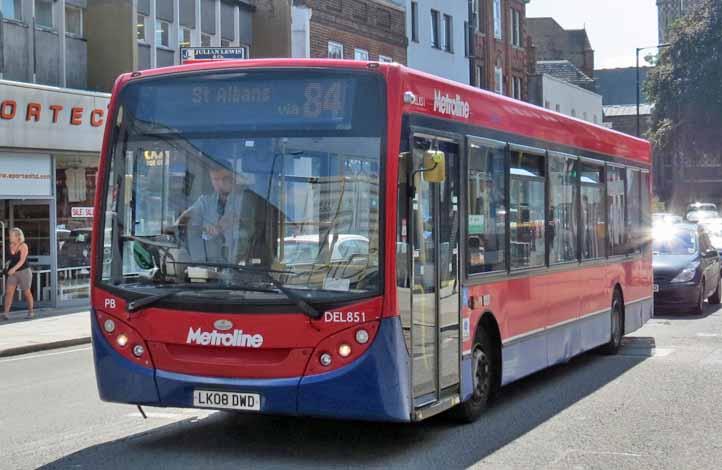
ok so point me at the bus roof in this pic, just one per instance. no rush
(426, 94)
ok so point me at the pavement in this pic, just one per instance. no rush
(50, 329)
(656, 405)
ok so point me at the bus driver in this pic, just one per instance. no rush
(215, 232)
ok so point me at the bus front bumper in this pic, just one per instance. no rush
(375, 387)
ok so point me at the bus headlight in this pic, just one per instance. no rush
(122, 340)
(109, 325)
(138, 350)
(325, 359)
(344, 350)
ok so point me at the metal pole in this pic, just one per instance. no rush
(638, 124)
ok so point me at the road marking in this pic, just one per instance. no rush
(709, 335)
(31, 356)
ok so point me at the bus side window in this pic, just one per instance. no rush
(487, 208)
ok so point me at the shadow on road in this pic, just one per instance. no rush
(242, 441)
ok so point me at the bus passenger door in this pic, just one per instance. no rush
(434, 239)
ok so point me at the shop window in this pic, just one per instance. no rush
(384, 58)
(526, 211)
(75, 195)
(593, 227)
(486, 220)
(563, 204)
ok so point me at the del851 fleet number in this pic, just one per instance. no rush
(344, 317)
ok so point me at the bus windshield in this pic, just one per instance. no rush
(218, 180)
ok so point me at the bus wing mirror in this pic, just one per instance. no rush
(434, 166)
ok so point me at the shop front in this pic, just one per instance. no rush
(50, 142)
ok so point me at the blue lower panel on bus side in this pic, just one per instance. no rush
(375, 387)
(118, 379)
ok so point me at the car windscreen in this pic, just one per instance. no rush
(678, 242)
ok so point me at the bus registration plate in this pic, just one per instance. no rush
(226, 400)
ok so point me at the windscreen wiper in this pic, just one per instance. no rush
(305, 307)
(136, 305)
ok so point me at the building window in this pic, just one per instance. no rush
(383, 18)
(498, 80)
(466, 39)
(558, 108)
(384, 58)
(547, 105)
(585, 115)
(498, 33)
(516, 87)
(73, 20)
(335, 50)
(482, 16)
(594, 119)
(486, 242)
(206, 40)
(515, 28)
(162, 33)
(448, 34)
(360, 10)
(44, 13)
(12, 9)
(435, 41)
(415, 21)
(184, 37)
(479, 76)
(574, 112)
(142, 28)
(360, 54)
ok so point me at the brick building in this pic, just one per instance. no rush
(552, 42)
(501, 54)
(347, 29)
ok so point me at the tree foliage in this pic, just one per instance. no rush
(686, 85)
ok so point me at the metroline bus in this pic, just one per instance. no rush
(354, 240)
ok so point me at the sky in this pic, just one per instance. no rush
(615, 27)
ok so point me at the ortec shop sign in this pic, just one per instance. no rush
(39, 117)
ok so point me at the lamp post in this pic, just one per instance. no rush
(658, 46)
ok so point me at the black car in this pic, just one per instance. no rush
(686, 268)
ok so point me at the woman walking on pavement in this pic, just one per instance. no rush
(19, 274)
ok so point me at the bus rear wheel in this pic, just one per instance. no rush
(483, 373)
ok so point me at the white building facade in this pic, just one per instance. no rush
(436, 36)
(563, 97)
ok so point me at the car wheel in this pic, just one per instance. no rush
(483, 373)
(699, 307)
(615, 340)
(716, 297)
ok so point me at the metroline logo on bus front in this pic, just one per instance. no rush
(213, 338)
(445, 104)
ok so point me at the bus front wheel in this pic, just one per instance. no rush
(483, 373)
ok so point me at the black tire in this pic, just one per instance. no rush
(484, 374)
(716, 296)
(699, 306)
(615, 340)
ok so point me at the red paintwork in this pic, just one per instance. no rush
(519, 305)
